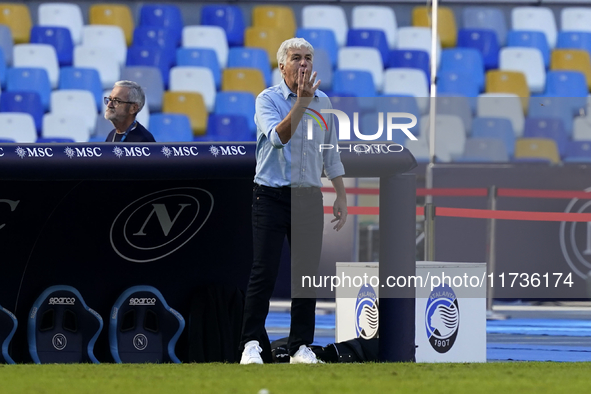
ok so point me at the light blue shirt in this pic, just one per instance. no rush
(299, 162)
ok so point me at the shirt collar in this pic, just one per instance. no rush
(287, 93)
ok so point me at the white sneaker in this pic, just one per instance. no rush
(252, 353)
(304, 355)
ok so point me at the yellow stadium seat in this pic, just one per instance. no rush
(573, 60)
(113, 14)
(243, 79)
(446, 23)
(267, 38)
(18, 20)
(537, 148)
(498, 81)
(190, 104)
(276, 17)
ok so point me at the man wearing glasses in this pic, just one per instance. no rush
(125, 102)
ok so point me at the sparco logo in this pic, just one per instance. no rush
(158, 224)
(62, 301)
(442, 318)
(142, 301)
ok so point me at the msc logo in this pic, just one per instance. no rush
(182, 151)
(134, 151)
(59, 341)
(157, 224)
(34, 152)
(227, 150)
(442, 318)
(83, 152)
(367, 317)
(140, 342)
(575, 238)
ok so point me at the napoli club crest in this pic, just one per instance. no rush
(366, 313)
(442, 318)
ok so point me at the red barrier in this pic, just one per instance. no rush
(543, 193)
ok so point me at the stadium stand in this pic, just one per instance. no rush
(115, 15)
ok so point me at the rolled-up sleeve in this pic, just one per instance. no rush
(333, 167)
(267, 117)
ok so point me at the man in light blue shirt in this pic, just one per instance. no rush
(287, 200)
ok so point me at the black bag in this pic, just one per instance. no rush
(355, 350)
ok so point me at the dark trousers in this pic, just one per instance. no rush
(276, 213)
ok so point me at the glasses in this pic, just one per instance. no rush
(115, 101)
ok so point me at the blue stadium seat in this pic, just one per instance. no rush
(400, 103)
(485, 41)
(241, 57)
(6, 43)
(8, 325)
(369, 38)
(51, 140)
(83, 79)
(229, 18)
(322, 65)
(163, 15)
(484, 150)
(554, 107)
(500, 128)
(237, 103)
(27, 102)
(201, 57)
(457, 82)
(62, 328)
(143, 328)
(486, 18)
(228, 128)
(145, 55)
(2, 69)
(6, 140)
(530, 39)
(353, 83)
(578, 152)
(571, 85)
(150, 78)
(29, 79)
(162, 37)
(464, 61)
(547, 128)
(59, 37)
(171, 127)
(321, 39)
(409, 58)
(574, 40)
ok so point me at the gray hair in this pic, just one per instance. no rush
(136, 93)
(292, 43)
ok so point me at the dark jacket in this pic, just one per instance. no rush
(138, 134)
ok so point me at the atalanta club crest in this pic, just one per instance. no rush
(366, 313)
(442, 318)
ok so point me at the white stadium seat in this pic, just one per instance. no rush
(18, 126)
(38, 55)
(529, 61)
(502, 105)
(418, 38)
(365, 59)
(111, 37)
(330, 17)
(410, 81)
(376, 17)
(212, 37)
(194, 79)
(80, 102)
(65, 126)
(100, 58)
(63, 15)
(535, 19)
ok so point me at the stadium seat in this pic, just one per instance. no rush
(278, 17)
(63, 15)
(464, 61)
(190, 104)
(61, 328)
(111, 37)
(194, 79)
(243, 80)
(400, 103)
(321, 39)
(55, 140)
(502, 105)
(529, 61)
(38, 55)
(326, 17)
(59, 38)
(143, 328)
(322, 65)
(369, 38)
(113, 14)
(514, 82)
(18, 19)
(6, 44)
(457, 83)
(530, 39)
(166, 16)
(499, 128)
(65, 126)
(79, 102)
(485, 41)
(491, 18)
(266, 38)
(8, 325)
(551, 128)
(27, 102)
(150, 80)
(229, 18)
(29, 80)
(102, 59)
(242, 57)
(458, 106)
(353, 83)
(212, 37)
(578, 152)
(2, 70)
(410, 59)
(84, 79)
(419, 149)
(376, 17)
(229, 128)
(450, 137)
(572, 60)
(237, 103)
(171, 128)
(446, 24)
(201, 57)
(408, 81)
(149, 56)
(582, 128)
(160, 37)
(536, 148)
(569, 84)
(418, 38)
(554, 107)
(535, 19)
(363, 59)
(574, 40)
(575, 19)
(484, 150)
(19, 127)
